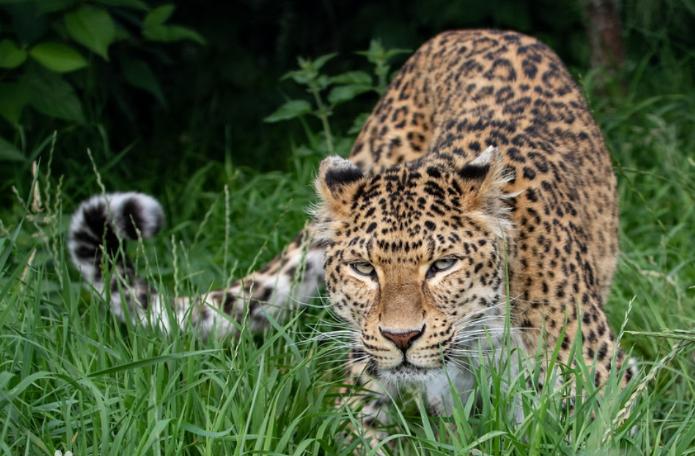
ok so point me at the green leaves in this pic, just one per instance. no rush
(354, 83)
(309, 72)
(345, 93)
(377, 54)
(327, 92)
(8, 152)
(51, 32)
(379, 57)
(134, 4)
(290, 110)
(11, 56)
(155, 29)
(14, 97)
(341, 88)
(158, 16)
(58, 57)
(44, 91)
(92, 27)
(140, 75)
(346, 86)
(52, 96)
(352, 77)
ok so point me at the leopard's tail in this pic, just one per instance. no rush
(102, 224)
(97, 233)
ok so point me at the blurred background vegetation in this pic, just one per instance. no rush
(151, 86)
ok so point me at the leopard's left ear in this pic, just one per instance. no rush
(484, 179)
(336, 184)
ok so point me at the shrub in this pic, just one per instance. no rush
(63, 61)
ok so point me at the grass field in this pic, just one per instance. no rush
(73, 378)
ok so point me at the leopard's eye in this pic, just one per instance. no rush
(441, 264)
(363, 268)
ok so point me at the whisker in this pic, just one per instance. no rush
(461, 365)
(336, 333)
(477, 332)
(463, 325)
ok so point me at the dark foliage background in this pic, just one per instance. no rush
(204, 98)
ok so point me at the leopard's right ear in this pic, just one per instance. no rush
(336, 184)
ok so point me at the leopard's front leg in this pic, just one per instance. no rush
(367, 399)
(289, 280)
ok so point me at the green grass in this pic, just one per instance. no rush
(74, 378)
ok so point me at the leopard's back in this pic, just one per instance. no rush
(463, 91)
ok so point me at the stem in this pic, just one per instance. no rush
(322, 114)
(381, 70)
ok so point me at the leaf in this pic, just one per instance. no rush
(193, 429)
(352, 77)
(139, 74)
(14, 97)
(322, 81)
(158, 16)
(169, 33)
(358, 123)
(378, 55)
(51, 6)
(58, 57)
(375, 52)
(52, 96)
(322, 60)
(341, 94)
(152, 436)
(153, 27)
(121, 33)
(299, 76)
(11, 55)
(396, 51)
(135, 4)
(290, 110)
(140, 363)
(93, 28)
(8, 152)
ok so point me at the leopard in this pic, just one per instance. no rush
(478, 203)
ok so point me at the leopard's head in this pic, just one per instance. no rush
(415, 257)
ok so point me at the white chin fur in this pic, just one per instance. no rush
(413, 376)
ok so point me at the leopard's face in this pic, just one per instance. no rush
(414, 261)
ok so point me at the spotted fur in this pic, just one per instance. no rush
(480, 179)
(102, 224)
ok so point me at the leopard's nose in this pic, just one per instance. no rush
(402, 339)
